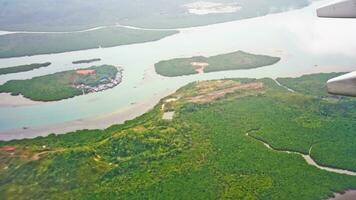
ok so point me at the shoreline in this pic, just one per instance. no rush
(8, 100)
(102, 86)
(136, 27)
(143, 81)
(344, 195)
(130, 112)
(133, 110)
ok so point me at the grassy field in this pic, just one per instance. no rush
(203, 153)
(23, 68)
(230, 61)
(59, 85)
(28, 44)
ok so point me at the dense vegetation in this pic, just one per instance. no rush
(23, 68)
(309, 84)
(230, 61)
(203, 153)
(28, 44)
(59, 85)
(86, 61)
(64, 15)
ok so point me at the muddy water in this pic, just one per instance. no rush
(348, 195)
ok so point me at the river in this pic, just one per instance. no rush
(303, 41)
(308, 159)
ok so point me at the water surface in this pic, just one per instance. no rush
(305, 43)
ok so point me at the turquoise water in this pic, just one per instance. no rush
(305, 43)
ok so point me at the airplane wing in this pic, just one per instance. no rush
(342, 9)
(345, 84)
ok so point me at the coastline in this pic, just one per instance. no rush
(333, 187)
(113, 110)
(8, 100)
(98, 122)
(345, 195)
(102, 86)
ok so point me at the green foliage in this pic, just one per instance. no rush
(230, 61)
(59, 85)
(337, 152)
(23, 68)
(27, 44)
(309, 84)
(86, 61)
(239, 60)
(203, 153)
(177, 66)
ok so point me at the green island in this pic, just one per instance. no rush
(200, 64)
(86, 61)
(202, 142)
(67, 84)
(27, 44)
(23, 68)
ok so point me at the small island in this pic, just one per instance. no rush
(200, 64)
(23, 68)
(67, 84)
(86, 61)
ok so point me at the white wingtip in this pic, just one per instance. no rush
(342, 9)
(343, 85)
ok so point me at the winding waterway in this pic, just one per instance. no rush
(303, 41)
(307, 158)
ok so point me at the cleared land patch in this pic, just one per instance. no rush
(207, 96)
(199, 66)
(205, 8)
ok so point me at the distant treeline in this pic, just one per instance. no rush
(29, 44)
(86, 61)
(23, 68)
